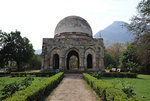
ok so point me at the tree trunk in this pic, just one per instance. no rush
(18, 66)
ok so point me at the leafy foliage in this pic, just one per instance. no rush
(127, 87)
(104, 89)
(37, 91)
(73, 62)
(35, 62)
(98, 75)
(140, 27)
(109, 61)
(37, 74)
(15, 48)
(11, 88)
(129, 60)
(144, 7)
(114, 52)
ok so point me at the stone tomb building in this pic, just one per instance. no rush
(73, 37)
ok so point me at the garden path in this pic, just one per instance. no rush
(72, 88)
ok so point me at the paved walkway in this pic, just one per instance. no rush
(72, 88)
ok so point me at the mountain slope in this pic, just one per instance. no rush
(116, 32)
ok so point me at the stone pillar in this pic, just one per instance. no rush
(62, 59)
(51, 62)
(42, 64)
(97, 66)
(62, 63)
(82, 67)
(101, 60)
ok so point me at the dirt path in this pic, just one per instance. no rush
(72, 88)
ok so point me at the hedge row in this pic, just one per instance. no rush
(37, 74)
(4, 74)
(37, 91)
(105, 90)
(113, 74)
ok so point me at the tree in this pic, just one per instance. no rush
(73, 62)
(35, 62)
(115, 50)
(129, 60)
(15, 48)
(144, 7)
(140, 27)
(109, 61)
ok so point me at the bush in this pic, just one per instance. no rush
(37, 91)
(11, 88)
(113, 94)
(104, 89)
(127, 88)
(113, 74)
(36, 74)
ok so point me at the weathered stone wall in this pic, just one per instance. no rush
(83, 46)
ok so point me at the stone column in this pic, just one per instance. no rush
(101, 60)
(62, 59)
(82, 67)
(42, 64)
(97, 59)
(51, 62)
(62, 63)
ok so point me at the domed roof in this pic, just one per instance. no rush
(73, 24)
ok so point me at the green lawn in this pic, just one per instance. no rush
(7, 80)
(141, 85)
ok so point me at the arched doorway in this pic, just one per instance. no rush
(55, 61)
(72, 57)
(89, 61)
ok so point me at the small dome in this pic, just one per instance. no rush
(73, 24)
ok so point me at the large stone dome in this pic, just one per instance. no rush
(73, 25)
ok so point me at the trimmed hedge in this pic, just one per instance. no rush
(37, 74)
(4, 74)
(98, 75)
(37, 91)
(105, 90)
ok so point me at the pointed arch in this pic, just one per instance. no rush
(90, 58)
(89, 61)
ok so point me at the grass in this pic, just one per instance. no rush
(141, 85)
(7, 80)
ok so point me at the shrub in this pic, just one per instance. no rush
(37, 91)
(127, 88)
(113, 74)
(36, 74)
(113, 94)
(104, 89)
(11, 88)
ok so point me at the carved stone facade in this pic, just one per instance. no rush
(73, 37)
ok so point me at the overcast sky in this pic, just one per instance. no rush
(37, 19)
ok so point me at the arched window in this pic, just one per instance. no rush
(55, 61)
(89, 61)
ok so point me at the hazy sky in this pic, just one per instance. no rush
(37, 19)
